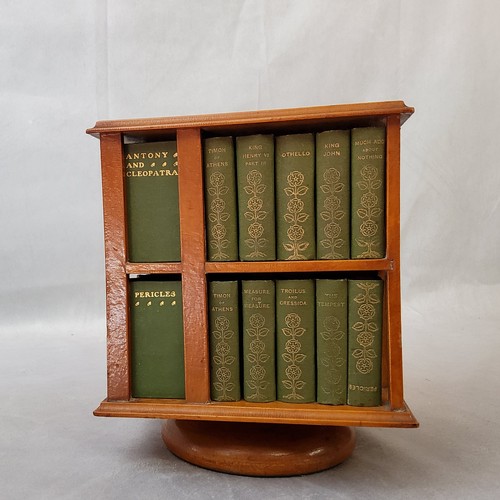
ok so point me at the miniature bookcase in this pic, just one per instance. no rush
(195, 271)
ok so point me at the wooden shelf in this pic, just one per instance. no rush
(275, 266)
(243, 411)
(153, 268)
(303, 266)
(195, 270)
(276, 118)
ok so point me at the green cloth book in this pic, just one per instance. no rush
(295, 209)
(331, 341)
(368, 193)
(295, 341)
(223, 299)
(333, 198)
(157, 339)
(152, 202)
(259, 338)
(365, 342)
(220, 199)
(256, 201)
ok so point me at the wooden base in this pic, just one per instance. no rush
(252, 449)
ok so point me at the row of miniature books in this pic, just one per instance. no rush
(296, 197)
(287, 197)
(291, 340)
(296, 341)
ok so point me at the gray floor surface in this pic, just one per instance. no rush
(52, 447)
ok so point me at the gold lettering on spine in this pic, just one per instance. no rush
(143, 156)
(154, 294)
(363, 388)
(288, 154)
(141, 169)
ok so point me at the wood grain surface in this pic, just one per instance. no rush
(258, 449)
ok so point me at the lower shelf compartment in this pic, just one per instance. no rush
(276, 412)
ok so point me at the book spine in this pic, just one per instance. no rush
(220, 199)
(259, 337)
(333, 199)
(152, 202)
(295, 356)
(365, 342)
(368, 193)
(256, 201)
(331, 341)
(224, 341)
(295, 209)
(157, 339)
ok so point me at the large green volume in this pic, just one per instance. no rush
(368, 193)
(157, 339)
(259, 337)
(256, 213)
(295, 358)
(333, 194)
(295, 213)
(152, 191)
(220, 199)
(224, 341)
(365, 342)
(331, 341)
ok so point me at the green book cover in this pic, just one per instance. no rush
(368, 193)
(157, 339)
(295, 339)
(365, 342)
(259, 338)
(224, 340)
(152, 192)
(295, 209)
(331, 341)
(220, 199)
(333, 198)
(256, 202)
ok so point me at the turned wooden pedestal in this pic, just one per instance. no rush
(252, 449)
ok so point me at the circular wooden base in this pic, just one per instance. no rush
(251, 449)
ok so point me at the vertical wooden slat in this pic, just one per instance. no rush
(194, 287)
(393, 282)
(116, 278)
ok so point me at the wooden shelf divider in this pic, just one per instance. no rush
(302, 266)
(153, 268)
(277, 412)
(194, 286)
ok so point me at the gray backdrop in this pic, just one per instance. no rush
(65, 64)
